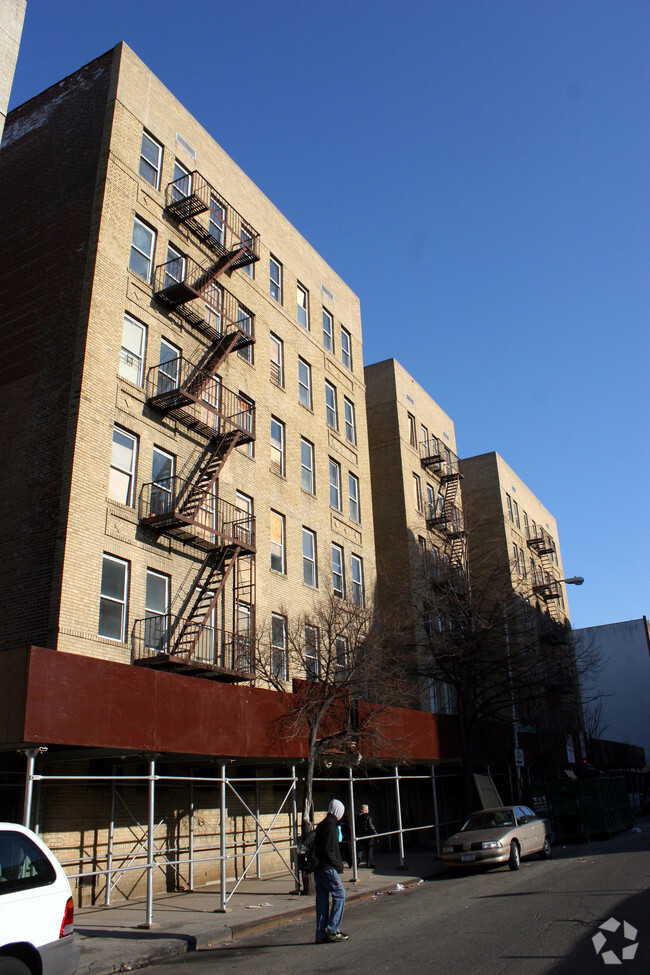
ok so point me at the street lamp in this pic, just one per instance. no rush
(573, 581)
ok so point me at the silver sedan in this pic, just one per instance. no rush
(504, 834)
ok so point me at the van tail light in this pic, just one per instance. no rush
(68, 918)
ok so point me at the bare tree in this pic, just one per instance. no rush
(339, 667)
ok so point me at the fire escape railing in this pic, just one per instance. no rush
(214, 647)
(222, 230)
(540, 542)
(168, 506)
(198, 399)
(437, 458)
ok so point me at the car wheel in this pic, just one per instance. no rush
(545, 852)
(515, 858)
(14, 966)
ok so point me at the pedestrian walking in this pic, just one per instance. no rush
(365, 829)
(326, 877)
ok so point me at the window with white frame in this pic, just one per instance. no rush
(279, 647)
(278, 560)
(307, 465)
(217, 220)
(515, 508)
(412, 434)
(526, 525)
(168, 367)
(277, 360)
(312, 662)
(350, 422)
(244, 528)
(328, 331)
(182, 184)
(275, 279)
(132, 351)
(123, 458)
(277, 446)
(304, 383)
(522, 562)
(150, 160)
(156, 611)
(302, 298)
(425, 435)
(175, 266)
(213, 295)
(509, 506)
(245, 322)
(245, 417)
(113, 598)
(309, 574)
(162, 482)
(515, 559)
(247, 240)
(142, 249)
(353, 490)
(346, 348)
(331, 409)
(357, 581)
(431, 502)
(342, 663)
(417, 492)
(338, 571)
(335, 484)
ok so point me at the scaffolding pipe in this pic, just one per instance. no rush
(190, 827)
(401, 865)
(151, 826)
(31, 754)
(111, 840)
(222, 841)
(353, 832)
(258, 862)
(294, 857)
(436, 818)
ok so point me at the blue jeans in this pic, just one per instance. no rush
(328, 883)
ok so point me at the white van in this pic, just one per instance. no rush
(36, 908)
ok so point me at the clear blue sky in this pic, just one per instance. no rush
(478, 172)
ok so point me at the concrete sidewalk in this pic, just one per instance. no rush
(112, 939)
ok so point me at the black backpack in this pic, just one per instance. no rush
(307, 859)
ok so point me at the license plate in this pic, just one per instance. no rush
(467, 857)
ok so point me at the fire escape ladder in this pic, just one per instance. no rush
(219, 351)
(197, 490)
(210, 584)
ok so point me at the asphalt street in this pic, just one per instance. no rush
(540, 920)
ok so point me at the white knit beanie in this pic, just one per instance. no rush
(337, 808)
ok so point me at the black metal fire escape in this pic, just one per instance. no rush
(446, 515)
(188, 508)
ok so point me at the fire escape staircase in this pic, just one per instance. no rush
(447, 516)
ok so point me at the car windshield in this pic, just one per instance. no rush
(490, 820)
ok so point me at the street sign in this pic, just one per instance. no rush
(519, 757)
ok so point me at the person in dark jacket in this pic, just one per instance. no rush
(366, 830)
(326, 877)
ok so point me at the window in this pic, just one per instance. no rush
(142, 248)
(169, 367)
(515, 559)
(275, 279)
(312, 667)
(331, 409)
(307, 465)
(214, 306)
(304, 383)
(346, 348)
(350, 423)
(132, 351)
(526, 525)
(246, 419)
(247, 240)
(335, 484)
(277, 360)
(328, 331)
(302, 306)
(417, 492)
(431, 502)
(217, 220)
(412, 435)
(341, 651)
(175, 266)
(425, 436)
(24, 867)
(182, 185)
(353, 488)
(277, 446)
(156, 611)
(515, 508)
(522, 562)
(122, 475)
(357, 581)
(150, 160)
(309, 576)
(162, 477)
(277, 542)
(509, 504)
(279, 646)
(244, 528)
(245, 324)
(338, 575)
(112, 600)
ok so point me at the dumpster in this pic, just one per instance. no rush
(584, 809)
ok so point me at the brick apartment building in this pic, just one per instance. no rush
(184, 422)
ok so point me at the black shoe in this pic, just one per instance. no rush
(339, 936)
(321, 941)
